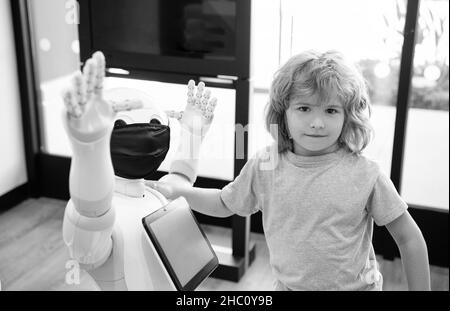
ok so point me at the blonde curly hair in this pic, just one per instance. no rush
(326, 74)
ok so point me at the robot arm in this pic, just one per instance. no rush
(195, 122)
(90, 217)
(88, 120)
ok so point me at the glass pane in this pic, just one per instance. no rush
(265, 34)
(53, 25)
(425, 179)
(368, 32)
(13, 170)
(265, 60)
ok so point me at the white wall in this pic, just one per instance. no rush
(12, 154)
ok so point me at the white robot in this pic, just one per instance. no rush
(102, 225)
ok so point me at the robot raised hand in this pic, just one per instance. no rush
(199, 112)
(88, 116)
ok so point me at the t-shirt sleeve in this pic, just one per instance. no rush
(385, 204)
(239, 196)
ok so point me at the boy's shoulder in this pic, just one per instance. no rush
(265, 159)
(263, 154)
(364, 164)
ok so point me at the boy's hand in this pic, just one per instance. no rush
(199, 112)
(170, 190)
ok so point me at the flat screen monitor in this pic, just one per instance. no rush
(203, 37)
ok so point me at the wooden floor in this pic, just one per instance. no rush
(33, 255)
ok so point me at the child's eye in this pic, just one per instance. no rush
(303, 108)
(332, 111)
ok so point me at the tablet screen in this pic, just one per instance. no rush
(181, 244)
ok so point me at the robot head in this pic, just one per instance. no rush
(140, 139)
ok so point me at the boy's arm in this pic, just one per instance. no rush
(205, 201)
(413, 251)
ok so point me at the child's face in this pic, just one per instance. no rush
(315, 127)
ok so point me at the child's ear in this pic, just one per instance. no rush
(362, 104)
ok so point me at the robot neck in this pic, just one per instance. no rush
(130, 187)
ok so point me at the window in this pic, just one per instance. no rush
(425, 169)
(369, 32)
(56, 50)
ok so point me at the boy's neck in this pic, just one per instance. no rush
(310, 153)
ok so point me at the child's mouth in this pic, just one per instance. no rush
(315, 136)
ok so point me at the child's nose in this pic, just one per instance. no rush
(317, 123)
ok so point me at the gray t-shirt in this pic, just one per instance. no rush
(318, 215)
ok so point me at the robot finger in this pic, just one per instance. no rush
(190, 93)
(72, 106)
(204, 99)
(67, 99)
(197, 102)
(191, 85)
(89, 72)
(203, 105)
(79, 89)
(100, 73)
(212, 104)
(191, 100)
(200, 89)
(207, 94)
(126, 105)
